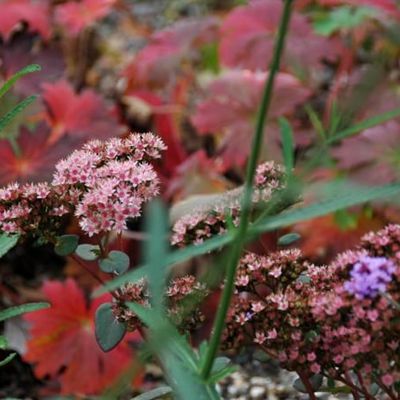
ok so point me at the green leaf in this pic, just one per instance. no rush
(222, 367)
(24, 71)
(343, 198)
(12, 312)
(7, 242)
(156, 251)
(345, 17)
(158, 393)
(66, 245)
(287, 144)
(109, 332)
(117, 262)
(88, 252)
(288, 239)
(3, 342)
(366, 124)
(6, 119)
(315, 381)
(8, 359)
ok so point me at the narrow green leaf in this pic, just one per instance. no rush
(158, 393)
(24, 71)
(66, 245)
(366, 124)
(12, 312)
(88, 252)
(287, 144)
(156, 251)
(117, 262)
(8, 359)
(6, 119)
(343, 199)
(108, 331)
(7, 242)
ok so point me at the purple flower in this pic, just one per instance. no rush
(369, 276)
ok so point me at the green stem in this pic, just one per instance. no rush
(239, 240)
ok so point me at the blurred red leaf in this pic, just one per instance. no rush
(164, 125)
(231, 105)
(248, 34)
(198, 174)
(158, 62)
(83, 115)
(75, 16)
(37, 158)
(34, 13)
(63, 344)
(23, 50)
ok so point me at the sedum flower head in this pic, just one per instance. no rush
(111, 180)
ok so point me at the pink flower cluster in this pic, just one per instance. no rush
(113, 179)
(306, 317)
(32, 209)
(183, 296)
(204, 223)
(103, 184)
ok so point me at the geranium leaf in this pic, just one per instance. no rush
(117, 262)
(66, 245)
(88, 252)
(3, 342)
(63, 346)
(12, 312)
(109, 332)
(7, 242)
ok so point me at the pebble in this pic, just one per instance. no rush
(257, 392)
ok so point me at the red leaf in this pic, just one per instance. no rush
(36, 161)
(198, 174)
(248, 35)
(164, 126)
(83, 115)
(63, 344)
(158, 62)
(231, 105)
(75, 16)
(34, 13)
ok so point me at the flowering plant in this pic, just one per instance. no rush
(337, 321)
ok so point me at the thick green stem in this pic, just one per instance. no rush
(240, 235)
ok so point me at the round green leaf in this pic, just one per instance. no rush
(109, 332)
(88, 252)
(315, 381)
(288, 239)
(66, 245)
(116, 262)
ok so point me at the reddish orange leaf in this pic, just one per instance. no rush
(63, 345)
(75, 16)
(83, 115)
(34, 13)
